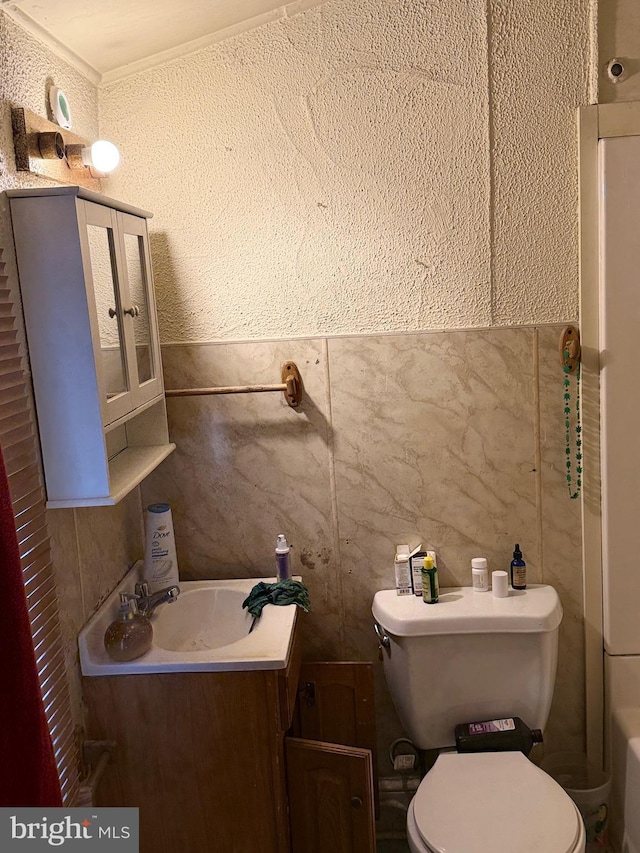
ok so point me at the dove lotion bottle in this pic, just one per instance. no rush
(160, 562)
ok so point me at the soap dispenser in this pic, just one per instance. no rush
(130, 635)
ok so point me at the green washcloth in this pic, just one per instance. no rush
(282, 592)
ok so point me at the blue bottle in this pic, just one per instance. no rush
(518, 570)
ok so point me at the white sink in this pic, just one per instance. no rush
(204, 618)
(205, 629)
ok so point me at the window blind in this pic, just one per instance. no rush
(20, 448)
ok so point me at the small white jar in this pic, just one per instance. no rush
(479, 574)
(500, 584)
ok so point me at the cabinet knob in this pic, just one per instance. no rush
(134, 311)
(113, 313)
(356, 802)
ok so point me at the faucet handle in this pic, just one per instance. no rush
(142, 589)
(128, 598)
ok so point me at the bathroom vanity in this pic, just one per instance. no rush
(201, 754)
(202, 724)
(89, 307)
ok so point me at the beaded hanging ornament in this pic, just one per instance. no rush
(573, 494)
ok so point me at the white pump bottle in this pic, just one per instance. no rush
(283, 569)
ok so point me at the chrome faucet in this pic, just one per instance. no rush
(147, 602)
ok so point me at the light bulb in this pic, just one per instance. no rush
(103, 156)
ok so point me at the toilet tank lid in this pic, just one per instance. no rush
(460, 610)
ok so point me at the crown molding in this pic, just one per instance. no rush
(192, 46)
(26, 22)
(12, 10)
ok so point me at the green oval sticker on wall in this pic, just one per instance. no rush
(60, 107)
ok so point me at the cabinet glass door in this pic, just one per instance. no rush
(101, 250)
(141, 306)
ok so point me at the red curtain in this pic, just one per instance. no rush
(28, 775)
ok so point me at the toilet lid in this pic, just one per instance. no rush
(493, 802)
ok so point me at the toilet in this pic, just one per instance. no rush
(473, 657)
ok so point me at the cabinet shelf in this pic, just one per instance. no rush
(127, 470)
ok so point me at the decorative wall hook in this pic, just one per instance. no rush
(570, 349)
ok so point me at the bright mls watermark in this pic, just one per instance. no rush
(69, 829)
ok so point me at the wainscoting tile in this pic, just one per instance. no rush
(248, 467)
(62, 531)
(109, 543)
(425, 437)
(434, 443)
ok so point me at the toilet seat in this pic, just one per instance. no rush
(492, 803)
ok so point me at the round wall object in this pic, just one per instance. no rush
(616, 70)
(60, 107)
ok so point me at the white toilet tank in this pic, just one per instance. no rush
(470, 657)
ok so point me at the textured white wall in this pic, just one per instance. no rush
(365, 166)
(540, 60)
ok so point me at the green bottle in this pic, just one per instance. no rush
(430, 588)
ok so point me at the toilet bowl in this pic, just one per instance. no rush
(496, 802)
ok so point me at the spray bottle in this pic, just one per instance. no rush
(283, 569)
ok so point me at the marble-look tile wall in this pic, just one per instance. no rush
(452, 439)
(92, 547)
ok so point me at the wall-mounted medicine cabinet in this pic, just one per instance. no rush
(92, 332)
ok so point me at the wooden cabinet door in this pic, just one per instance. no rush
(336, 705)
(199, 754)
(330, 791)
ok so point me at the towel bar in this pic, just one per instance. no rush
(291, 386)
